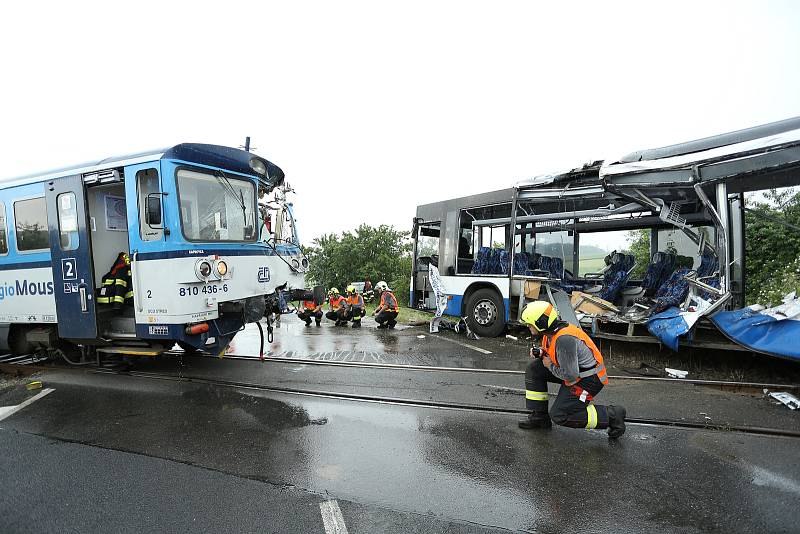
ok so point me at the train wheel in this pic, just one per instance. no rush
(486, 314)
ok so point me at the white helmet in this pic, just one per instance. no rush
(381, 286)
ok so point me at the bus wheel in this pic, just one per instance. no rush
(485, 313)
(188, 349)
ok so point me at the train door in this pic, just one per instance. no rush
(71, 253)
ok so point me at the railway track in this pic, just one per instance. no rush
(433, 404)
(429, 368)
(725, 384)
(24, 365)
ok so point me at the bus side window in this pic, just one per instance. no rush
(146, 183)
(3, 232)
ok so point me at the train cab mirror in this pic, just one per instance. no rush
(153, 210)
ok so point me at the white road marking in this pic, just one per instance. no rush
(483, 351)
(8, 411)
(332, 518)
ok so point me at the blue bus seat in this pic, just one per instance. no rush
(615, 278)
(672, 292)
(502, 262)
(659, 268)
(481, 265)
(521, 263)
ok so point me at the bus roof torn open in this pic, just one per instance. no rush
(689, 196)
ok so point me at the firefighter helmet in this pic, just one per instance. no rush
(539, 314)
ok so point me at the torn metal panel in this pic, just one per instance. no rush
(753, 164)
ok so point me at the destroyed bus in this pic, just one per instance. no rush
(497, 251)
(132, 254)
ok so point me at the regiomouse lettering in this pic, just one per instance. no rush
(23, 288)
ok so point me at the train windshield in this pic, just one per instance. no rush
(216, 207)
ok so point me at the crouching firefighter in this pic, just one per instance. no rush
(388, 309)
(338, 310)
(355, 306)
(311, 310)
(117, 288)
(570, 358)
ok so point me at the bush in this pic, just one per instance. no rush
(772, 249)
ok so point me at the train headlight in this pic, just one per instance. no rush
(222, 268)
(203, 269)
(304, 264)
(258, 166)
(295, 264)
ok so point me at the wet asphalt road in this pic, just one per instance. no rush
(125, 453)
(415, 346)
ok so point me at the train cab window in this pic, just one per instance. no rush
(216, 207)
(3, 235)
(147, 183)
(30, 224)
(67, 221)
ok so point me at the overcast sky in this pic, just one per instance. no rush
(372, 108)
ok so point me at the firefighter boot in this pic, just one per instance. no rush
(356, 323)
(536, 420)
(616, 421)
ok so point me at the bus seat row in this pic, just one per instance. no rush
(491, 261)
(658, 270)
(615, 279)
(675, 289)
(537, 265)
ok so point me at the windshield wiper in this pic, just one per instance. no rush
(227, 186)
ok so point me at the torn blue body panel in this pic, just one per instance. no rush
(760, 332)
(668, 326)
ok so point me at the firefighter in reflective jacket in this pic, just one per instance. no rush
(117, 288)
(311, 310)
(355, 306)
(387, 310)
(570, 358)
(338, 310)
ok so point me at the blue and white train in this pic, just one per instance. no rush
(202, 255)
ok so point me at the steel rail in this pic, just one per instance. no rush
(5, 364)
(699, 382)
(438, 405)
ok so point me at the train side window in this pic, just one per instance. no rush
(30, 224)
(147, 183)
(67, 221)
(3, 234)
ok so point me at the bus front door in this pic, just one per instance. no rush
(71, 253)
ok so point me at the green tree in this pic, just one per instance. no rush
(374, 253)
(639, 246)
(772, 249)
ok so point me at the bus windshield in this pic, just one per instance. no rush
(216, 207)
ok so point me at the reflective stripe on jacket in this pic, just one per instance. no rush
(117, 288)
(549, 346)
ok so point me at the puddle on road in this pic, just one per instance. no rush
(271, 413)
